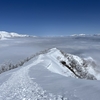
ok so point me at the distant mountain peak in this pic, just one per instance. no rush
(78, 35)
(83, 35)
(4, 35)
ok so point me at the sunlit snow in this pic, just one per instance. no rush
(46, 75)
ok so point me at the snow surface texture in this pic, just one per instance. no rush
(23, 83)
(20, 87)
(61, 63)
(70, 65)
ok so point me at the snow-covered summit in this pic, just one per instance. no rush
(4, 34)
(64, 64)
(70, 65)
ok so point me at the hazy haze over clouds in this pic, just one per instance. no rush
(19, 48)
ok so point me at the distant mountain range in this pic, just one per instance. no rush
(85, 35)
(4, 35)
(78, 35)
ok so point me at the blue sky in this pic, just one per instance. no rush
(50, 17)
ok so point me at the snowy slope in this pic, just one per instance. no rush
(44, 77)
(64, 64)
(4, 35)
(70, 65)
(20, 87)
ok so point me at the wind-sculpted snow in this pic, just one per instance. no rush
(64, 64)
(42, 78)
(70, 65)
(20, 87)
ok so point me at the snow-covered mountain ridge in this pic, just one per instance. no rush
(70, 65)
(38, 78)
(4, 34)
(64, 64)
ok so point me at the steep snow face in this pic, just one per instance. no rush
(5, 35)
(52, 63)
(70, 65)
